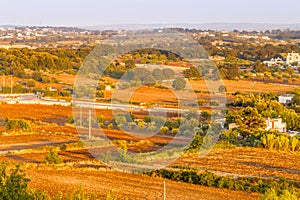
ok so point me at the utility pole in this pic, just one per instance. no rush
(3, 76)
(90, 124)
(80, 116)
(178, 109)
(11, 84)
(164, 190)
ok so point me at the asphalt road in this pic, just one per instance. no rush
(33, 99)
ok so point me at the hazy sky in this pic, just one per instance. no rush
(99, 12)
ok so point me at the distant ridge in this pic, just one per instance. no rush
(204, 26)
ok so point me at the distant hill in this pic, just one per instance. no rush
(204, 26)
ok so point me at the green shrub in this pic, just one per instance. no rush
(14, 185)
(110, 126)
(272, 194)
(201, 102)
(164, 130)
(71, 119)
(214, 103)
(52, 158)
(16, 124)
(249, 184)
(175, 131)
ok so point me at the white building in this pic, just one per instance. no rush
(292, 58)
(274, 62)
(276, 124)
(293, 133)
(285, 98)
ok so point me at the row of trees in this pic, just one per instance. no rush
(210, 179)
(15, 61)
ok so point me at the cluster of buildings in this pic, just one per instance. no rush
(273, 124)
(276, 124)
(292, 60)
(29, 32)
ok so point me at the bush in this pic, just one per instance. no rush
(201, 102)
(101, 120)
(110, 126)
(168, 73)
(164, 130)
(71, 119)
(175, 131)
(280, 142)
(179, 84)
(272, 194)
(14, 185)
(214, 103)
(52, 158)
(16, 124)
(222, 89)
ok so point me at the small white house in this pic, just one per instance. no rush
(274, 62)
(285, 98)
(276, 124)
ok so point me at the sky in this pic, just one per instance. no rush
(99, 12)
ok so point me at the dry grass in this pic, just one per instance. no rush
(244, 161)
(50, 114)
(123, 184)
(246, 86)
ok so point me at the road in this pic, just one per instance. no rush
(34, 99)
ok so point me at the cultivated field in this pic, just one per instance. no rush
(125, 185)
(50, 129)
(243, 161)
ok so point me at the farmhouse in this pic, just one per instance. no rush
(276, 124)
(285, 98)
(274, 62)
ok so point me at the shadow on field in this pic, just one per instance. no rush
(21, 159)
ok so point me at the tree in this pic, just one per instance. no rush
(250, 119)
(193, 72)
(14, 185)
(179, 84)
(149, 80)
(130, 64)
(292, 119)
(260, 67)
(142, 73)
(272, 194)
(158, 74)
(232, 71)
(296, 99)
(36, 76)
(222, 89)
(168, 73)
(31, 83)
(289, 71)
